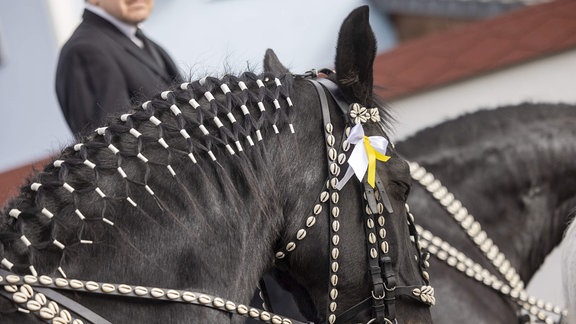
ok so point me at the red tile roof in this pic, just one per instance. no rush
(12, 180)
(477, 48)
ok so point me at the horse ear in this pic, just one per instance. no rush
(355, 55)
(272, 63)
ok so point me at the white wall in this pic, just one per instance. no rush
(551, 79)
(32, 126)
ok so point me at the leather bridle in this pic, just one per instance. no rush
(385, 291)
(40, 295)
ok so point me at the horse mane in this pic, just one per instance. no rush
(169, 140)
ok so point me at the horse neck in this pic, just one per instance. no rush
(207, 224)
(519, 187)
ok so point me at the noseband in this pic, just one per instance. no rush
(40, 295)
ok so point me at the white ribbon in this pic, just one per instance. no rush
(358, 161)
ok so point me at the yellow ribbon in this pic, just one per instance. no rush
(373, 155)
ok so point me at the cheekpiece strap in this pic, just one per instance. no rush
(337, 96)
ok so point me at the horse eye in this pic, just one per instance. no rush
(401, 189)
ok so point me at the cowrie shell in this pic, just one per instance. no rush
(265, 316)
(30, 279)
(384, 247)
(330, 139)
(172, 294)
(12, 279)
(335, 239)
(11, 288)
(140, 291)
(46, 313)
(317, 209)
(156, 292)
(335, 253)
(242, 309)
(335, 212)
(27, 290)
(33, 305)
(370, 223)
(124, 289)
(19, 297)
(218, 302)
(332, 154)
(188, 296)
(301, 234)
(61, 282)
(335, 226)
(92, 286)
(341, 158)
(230, 306)
(66, 315)
(76, 284)
(203, 299)
(333, 307)
(333, 293)
(108, 288)
(335, 266)
(310, 221)
(59, 320)
(334, 280)
(40, 298)
(54, 307)
(45, 280)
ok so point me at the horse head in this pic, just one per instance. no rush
(365, 245)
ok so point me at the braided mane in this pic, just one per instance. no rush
(169, 140)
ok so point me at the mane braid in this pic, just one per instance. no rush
(74, 201)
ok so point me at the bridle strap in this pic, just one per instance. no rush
(380, 298)
(49, 287)
(336, 94)
(330, 311)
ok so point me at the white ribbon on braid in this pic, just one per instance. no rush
(363, 157)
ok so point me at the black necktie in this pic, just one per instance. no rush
(149, 48)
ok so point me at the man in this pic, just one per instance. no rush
(107, 64)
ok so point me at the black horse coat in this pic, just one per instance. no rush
(100, 70)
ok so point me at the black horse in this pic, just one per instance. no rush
(513, 170)
(191, 197)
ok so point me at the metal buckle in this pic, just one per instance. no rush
(389, 289)
(379, 297)
(385, 320)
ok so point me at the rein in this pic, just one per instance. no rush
(513, 287)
